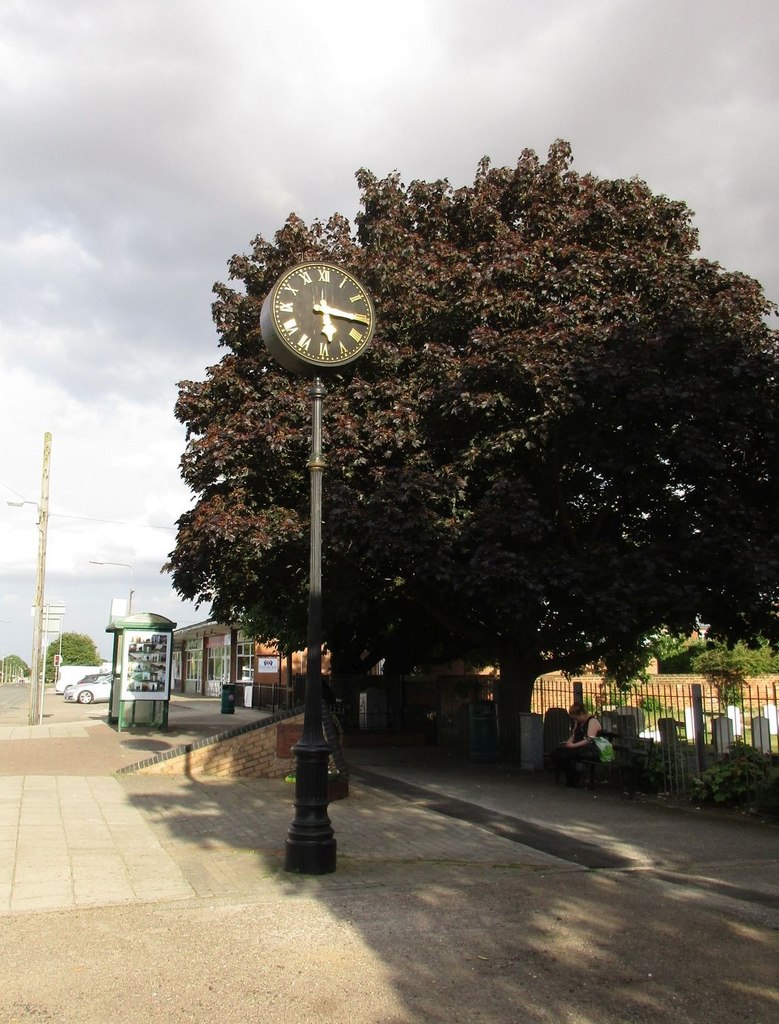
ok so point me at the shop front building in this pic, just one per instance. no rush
(209, 655)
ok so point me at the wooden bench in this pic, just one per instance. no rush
(632, 757)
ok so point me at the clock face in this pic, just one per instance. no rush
(317, 316)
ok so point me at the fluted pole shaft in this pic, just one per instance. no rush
(311, 845)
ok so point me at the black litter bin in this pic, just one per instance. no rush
(228, 698)
(484, 731)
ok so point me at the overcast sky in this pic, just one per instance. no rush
(146, 141)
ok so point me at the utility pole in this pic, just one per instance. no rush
(36, 676)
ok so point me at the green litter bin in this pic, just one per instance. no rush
(228, 698)
(484, 744)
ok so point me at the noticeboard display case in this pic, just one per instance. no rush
(142, 665)
(146, 665)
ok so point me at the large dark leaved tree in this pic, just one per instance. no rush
(563, 436)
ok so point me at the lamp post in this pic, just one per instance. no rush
(311, 845)
(123, 565)
(4, 659)
(36, 676)
(316, 319)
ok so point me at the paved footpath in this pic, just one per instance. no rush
(463, 893)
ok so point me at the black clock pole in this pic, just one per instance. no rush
(311, 845)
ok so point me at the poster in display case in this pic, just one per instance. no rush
(146, 665)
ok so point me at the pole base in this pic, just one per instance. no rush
(311, 846)
(307, 858)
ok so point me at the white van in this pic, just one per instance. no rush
(75, 673)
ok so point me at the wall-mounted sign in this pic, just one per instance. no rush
(146, 665)
(267, 665)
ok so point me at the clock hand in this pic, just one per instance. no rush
(328, 327)
(343, 314)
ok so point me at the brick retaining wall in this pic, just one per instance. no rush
(259, 750)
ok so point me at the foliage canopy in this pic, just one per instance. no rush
(76, 649)
(14, 668)
(562, 439)
(739, 660)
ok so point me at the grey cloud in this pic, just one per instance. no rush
(147, 142)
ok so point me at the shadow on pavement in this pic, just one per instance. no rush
(478, 897)
(471, 926)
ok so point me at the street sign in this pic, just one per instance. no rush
(53, 615)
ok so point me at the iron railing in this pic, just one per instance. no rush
(692, 720)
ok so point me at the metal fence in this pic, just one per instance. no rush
(662, 697)
(692, 721)
(435, 708)
(272, 696)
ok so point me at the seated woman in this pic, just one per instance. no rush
(579, 743)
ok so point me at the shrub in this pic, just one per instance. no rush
(734, 780)
(652, 779)
(767, 795)
(653, 706)
(727, 667)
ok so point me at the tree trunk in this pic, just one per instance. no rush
(518, 672)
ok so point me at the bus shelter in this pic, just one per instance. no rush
(142, 659)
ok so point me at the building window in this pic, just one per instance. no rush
(244, 667)
(176, 671)
(193, 667)
(218, 669)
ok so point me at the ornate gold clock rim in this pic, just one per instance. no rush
(317, 316)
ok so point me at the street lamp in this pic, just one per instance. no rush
(123, 565)
(4, 659)
(36, 676)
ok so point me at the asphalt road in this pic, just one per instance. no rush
(13, 699)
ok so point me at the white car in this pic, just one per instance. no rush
(61, 685)
(70, 675)
(90, 690)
